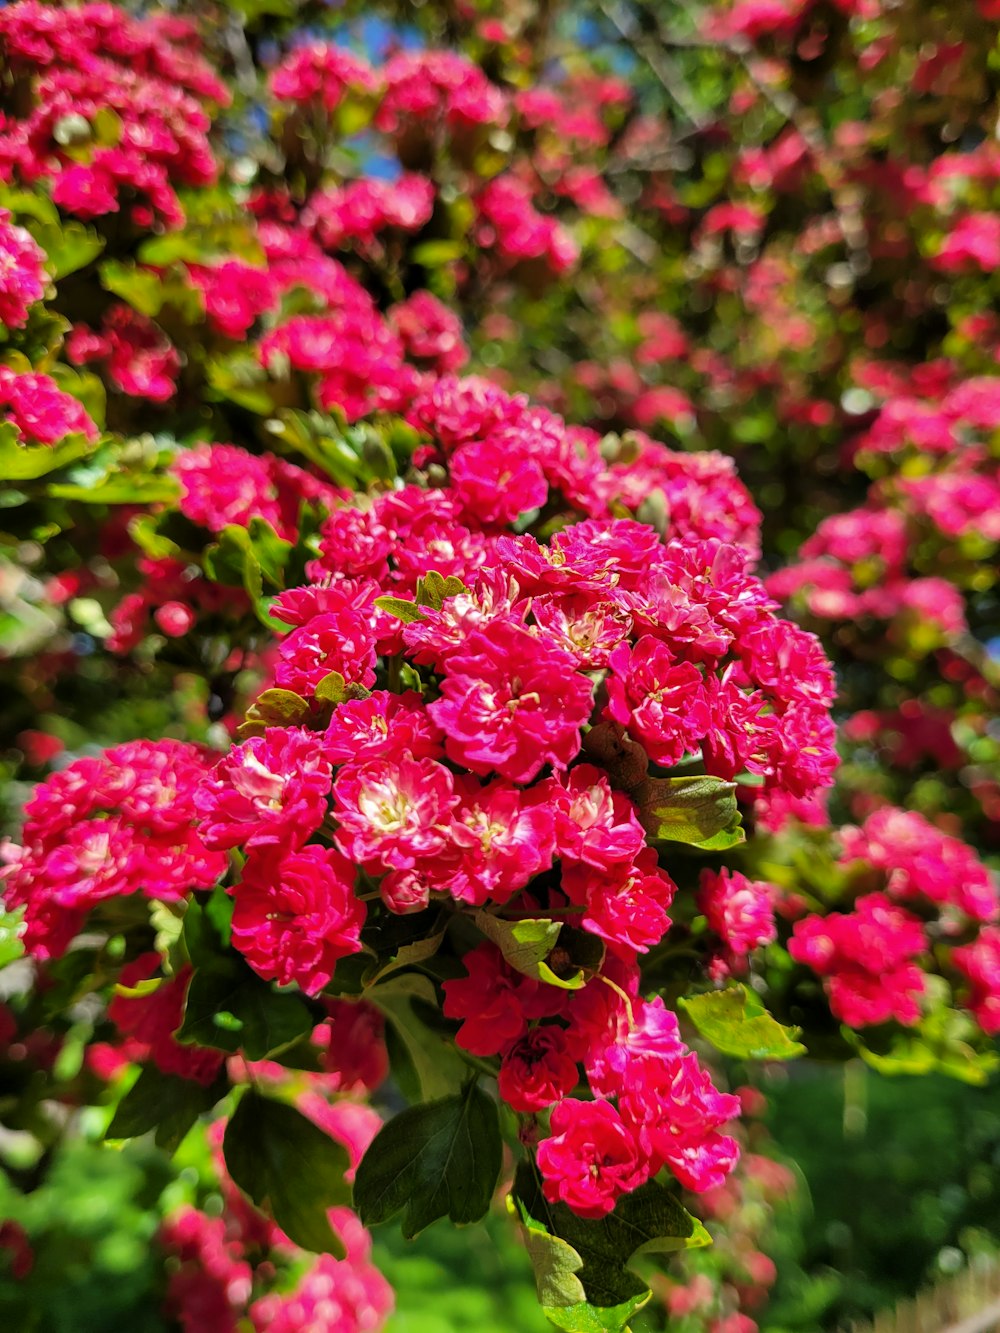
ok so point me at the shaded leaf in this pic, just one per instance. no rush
(165, 1103)
(229, 1007)
(650, 1219)
(438, 1067)
(441, 1159)
(289, 1168)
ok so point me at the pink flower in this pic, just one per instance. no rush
(503, 838)
(660, 701)
(920, 860)
(271, 791)
(591, 1160)
(510, 704)
(495, 484)
(22, 272)
(979, 963)
(383, 726)
(867, 958)
(235, 294)
(321, 72)
(342, 642)
(593, 823)
(537, 1070)
(495, 1002)
(431, 333)
(294, 918)
(393, 813)
(149, 1022)
(39, 411)
(352, 1039)
(626, 904)
(975, 240)
(739, 910)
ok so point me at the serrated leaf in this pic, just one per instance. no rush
(400, 608)
(439, 1069)
(649, 1219)
(549, 951)
(11, 944)
(288, 1167)
(229, 1007)
(441, 1159)
(524, 944)
(273, 708)
(586, 1318)
(433, 589)
(27, 462)
(165, 1103)
(700, 811)
(736, 1023)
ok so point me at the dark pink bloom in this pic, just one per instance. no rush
(537, 1070)
(495, 1002)
(271, 791)
(295, 917)
(510, 704)
(592, 1158)
(660, 701)
(393, 813)
(343, 642)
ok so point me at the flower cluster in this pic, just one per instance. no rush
(740, 912)
(115, 824)
(22, 272)
(39, 411)
(82, 70)
(472, 787)
(867, 957)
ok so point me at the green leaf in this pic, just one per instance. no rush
(408, 954)
(68, 246)
(229, 1007)
(524, 944)
(586, 1318)
(436, 1160)
(11, 944)
(648, 1220)
(165, 1103)
(736, 1023)
(232, 560)
(432, 254)
(549, 951)
(288, 1167)
(272, 551)
(438, 1067)
(400, 608)
(273, 708)
(27, 462)
(942, 1044)
(434, 588)
(700, 811)
(332, 689)
(121, 488)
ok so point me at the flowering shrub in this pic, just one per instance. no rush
(459, 713)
